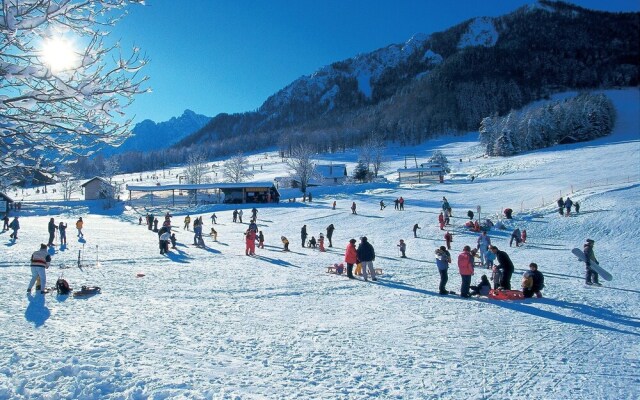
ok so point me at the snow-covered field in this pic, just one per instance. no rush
(214, 323)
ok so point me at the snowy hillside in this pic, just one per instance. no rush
(214, 323)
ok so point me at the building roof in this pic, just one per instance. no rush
(95, 178)
(431, 169)
(202, 186)
(6, 198)
(329, 171)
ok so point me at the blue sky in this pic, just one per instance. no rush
(214, 56)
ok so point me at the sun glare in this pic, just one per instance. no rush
(58, 54)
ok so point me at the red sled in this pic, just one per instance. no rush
(498, 294)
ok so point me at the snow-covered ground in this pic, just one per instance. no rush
(214, 323)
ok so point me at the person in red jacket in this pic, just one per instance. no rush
(465, 265)
(441, 221)
(250, 238)
(448, 237)
(351, 257)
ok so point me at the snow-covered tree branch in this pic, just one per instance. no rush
(62, 89)
(236, 169)
(302, 165)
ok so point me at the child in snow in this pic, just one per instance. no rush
(489, 258)
(285, 242)
(214, 234)
(441, 221)
(515, 235)
(312, 242)
(321, 242)
(523, 237)
(260, 240)
(448, 238)
(482, 288)
(532, 282)
(415, 230)
(496, 276)
(403, 247)
(173, 241)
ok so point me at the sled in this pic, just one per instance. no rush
(499, 294)
(339, 270)
(594, 265)
(87, 291)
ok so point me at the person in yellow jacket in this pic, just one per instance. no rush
(79, 225)
(39, 263)
(187, 222)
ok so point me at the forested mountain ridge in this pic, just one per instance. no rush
(442, 83)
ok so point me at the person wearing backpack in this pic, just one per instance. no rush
(532, 282)
(40, 260)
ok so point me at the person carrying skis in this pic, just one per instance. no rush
(303, 235)
(415, 230)
(52, 227)
(330, 230)
(367, 255)
(591, 276)
(443, 259)
(465, 266)
(403, 247)
(351, 257)
(40, 260)
(15, 226)
(62, 228)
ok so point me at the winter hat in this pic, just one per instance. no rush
(353, 241)
(364, 238)
(590, 241)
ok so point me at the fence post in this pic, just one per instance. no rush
(522, 206)
(571, 189)
(542, 201)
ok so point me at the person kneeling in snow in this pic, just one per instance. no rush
(532, 282)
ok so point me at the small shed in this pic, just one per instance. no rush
(331, 174)
(97, 188)
(5, 203)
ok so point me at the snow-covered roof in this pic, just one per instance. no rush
(201, 186)
(96, 178)
(6, 198)
(423, 169)
(329, 171)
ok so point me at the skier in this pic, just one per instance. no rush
(443, 259)
(213, 218)
(303, 235)
(568, 203)
(39, 263)
(482, 288)
(353, 208)
(465, 266)
(62, 228)
(187, 222)
(351, 257)
(52, 231)
(214, 234)
(330, 230)
(415, 230)
(285, 242)
(80, 225)
(382, 206)
(448, 238)
(403, 247)
(15, 226)
(591, 277)
(533, 282)
(367, 255)
(561, 206)
(505, 265)
(484, 241)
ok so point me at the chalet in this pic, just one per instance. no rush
(5, 203)
(330, 174)
(96, 188)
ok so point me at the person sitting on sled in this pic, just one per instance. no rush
(532, 282)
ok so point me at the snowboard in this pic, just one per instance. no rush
(499, 294)
(594, 265)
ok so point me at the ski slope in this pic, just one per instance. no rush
(215, 324)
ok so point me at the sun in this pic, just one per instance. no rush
(59, 54)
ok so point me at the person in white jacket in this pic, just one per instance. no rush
(484, 241)
(39, 263)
